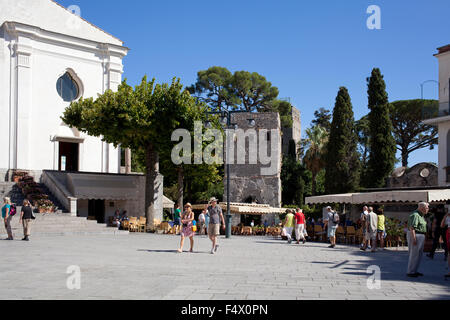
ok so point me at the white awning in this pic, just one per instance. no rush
(406, 196)
(245, 208)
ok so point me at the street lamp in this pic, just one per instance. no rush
(422, 84)
(225, 121)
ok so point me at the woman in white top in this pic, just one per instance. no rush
(446, 224)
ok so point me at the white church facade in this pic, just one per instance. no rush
(49, 57)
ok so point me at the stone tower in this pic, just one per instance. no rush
(248, 182)
(294, 133)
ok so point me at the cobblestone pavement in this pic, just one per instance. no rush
(146, 266)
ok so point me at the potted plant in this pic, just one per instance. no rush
(19, 175)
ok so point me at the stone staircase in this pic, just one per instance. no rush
(59, 223)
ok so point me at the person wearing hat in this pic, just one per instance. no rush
(215, 218)
(187, 219)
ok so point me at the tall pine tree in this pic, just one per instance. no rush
(382, 144)
(342, 159)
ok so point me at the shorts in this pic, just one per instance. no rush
(214, 229)
(370, 235)
(177, 222)
(332, 231)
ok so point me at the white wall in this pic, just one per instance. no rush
(30, 64)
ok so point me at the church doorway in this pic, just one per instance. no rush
(68, 156)
(96, 208)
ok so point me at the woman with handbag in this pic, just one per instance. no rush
(187, 231)
(6, 215)
(25, 218)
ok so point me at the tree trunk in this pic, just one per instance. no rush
(405, 157)
(152, 171)
(180, 186)
(314, 175)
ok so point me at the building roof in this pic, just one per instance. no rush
(87, 21)
(383, 197)
(443, 49)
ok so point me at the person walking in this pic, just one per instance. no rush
(417, 228)
(446, 223)
(215, 218)
(206, 219)
(381, 229)
(289, 225)
(201, 222)
(332, 222)
(371, 231)
(300, 226)
(438, 232)
(6, 210)
(26, 216)
(177, 218)
(187, 219)
(363, 220)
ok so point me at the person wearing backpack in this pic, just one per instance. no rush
(7, 216)
(332, 222)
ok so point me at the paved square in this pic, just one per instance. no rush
(146, 266)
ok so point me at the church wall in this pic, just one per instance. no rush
(38, 108)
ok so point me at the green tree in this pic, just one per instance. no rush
(142, 118)
(382, 144)
(342, 159)
(322, 117)
(316, 142)
(253, 91)
(293, 175)
(213, 87)
(410, 132)
(362, 130)
(222, 90)
(284, 109)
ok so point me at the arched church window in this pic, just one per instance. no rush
(67, 87)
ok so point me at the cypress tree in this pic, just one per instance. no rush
(342, 159)
(382, 144)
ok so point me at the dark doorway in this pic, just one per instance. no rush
(68, 156)
(97, 209)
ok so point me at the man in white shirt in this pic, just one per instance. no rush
(363, 219)
(371, 230)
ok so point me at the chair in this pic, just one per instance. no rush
(351, 234)
(142, 224)
(340, 234)
(125, 224)
(318, 232)
(133, 225)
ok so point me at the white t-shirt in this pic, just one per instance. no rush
(201, 217)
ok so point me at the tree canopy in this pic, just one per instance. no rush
(342, 159)
(382, 144)
(142, 118)
(410, 132)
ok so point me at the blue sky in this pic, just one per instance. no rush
(308, 49)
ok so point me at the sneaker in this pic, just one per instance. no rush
(414, 275)
(369, 247)
(216, 248)
(212, 251)
(362, 249)
(304, 241)
(289, 241)
(419, 274)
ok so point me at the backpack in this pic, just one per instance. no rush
(336, 218)
(12, 210)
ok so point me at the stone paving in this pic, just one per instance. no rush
(146, 266)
